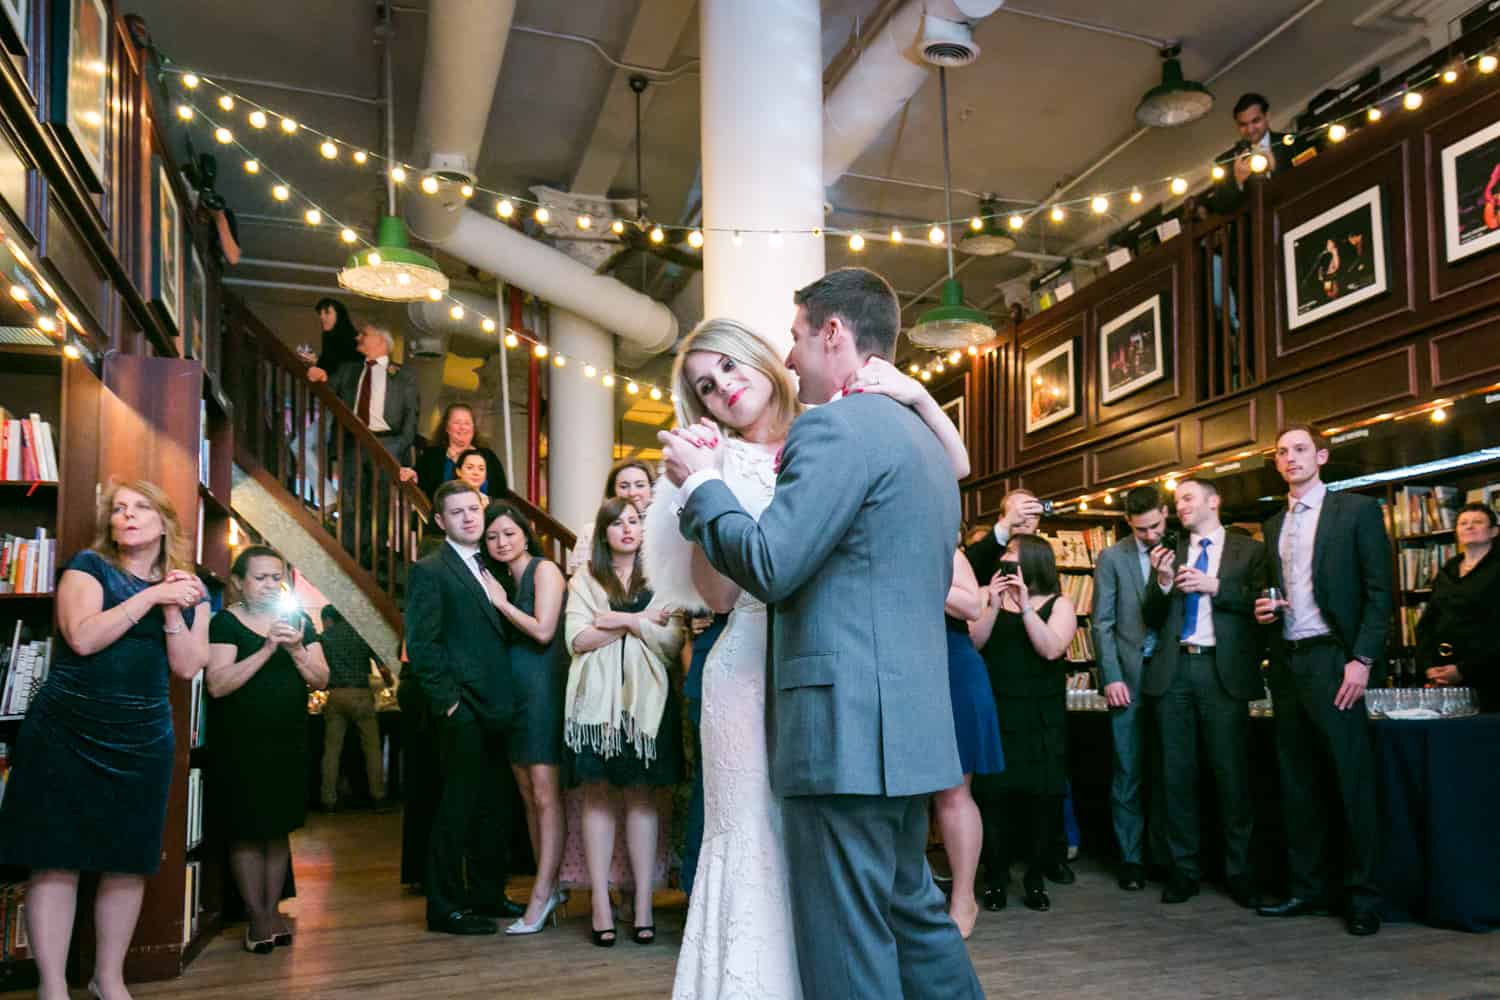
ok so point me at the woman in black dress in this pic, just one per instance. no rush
(531, 599)
(1455, 635)
(93, 764)
(1023, 634)
(263, 657)
(340, 340)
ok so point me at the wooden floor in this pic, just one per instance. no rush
(360, 937)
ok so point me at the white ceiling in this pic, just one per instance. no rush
(1042, 104)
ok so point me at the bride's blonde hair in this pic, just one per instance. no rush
(735, 340)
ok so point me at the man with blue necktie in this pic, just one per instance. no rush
(1204, 674)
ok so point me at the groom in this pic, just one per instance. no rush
(854, 557)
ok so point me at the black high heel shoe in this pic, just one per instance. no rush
(605, 938)
(644, 935)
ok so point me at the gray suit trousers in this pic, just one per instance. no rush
(865, 908)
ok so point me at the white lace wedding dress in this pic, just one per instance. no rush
(738, 943)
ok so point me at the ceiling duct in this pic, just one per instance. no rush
(947, 43)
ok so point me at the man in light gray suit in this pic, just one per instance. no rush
(854, 557)
(1125, 643)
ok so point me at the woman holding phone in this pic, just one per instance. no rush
(1023, 633)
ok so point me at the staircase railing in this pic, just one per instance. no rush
(300, 438)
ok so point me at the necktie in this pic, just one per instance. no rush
(479, 561)
(362, 401)
(1293, 540)
(1190, 611)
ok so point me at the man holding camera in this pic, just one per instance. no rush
(1020, 514)
(1332, 556)
(1205, 673)
(1125, 644)
(1256, 137)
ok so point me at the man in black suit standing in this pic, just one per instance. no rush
(456, 642)
(1020, 514)
(1228, 192)
(1332, 556)
(1205, 673)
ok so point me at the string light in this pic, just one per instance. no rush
(1136, 197)
(955, 358)
(632, 388)
(540, 350)
(226, 102)
(191, 81)
(1439, 414)
(19, 294)
(466, 191)
(398, 174)
(402, 278)
(360, 156)
(1178, 186)
(429, 184)
(49, 325)
(313, 217)
(504, 208)
(976, 223)
(257, 119)
(617, 227)
(511, 340)
(584, 222)
(542, 215)
(896, 236)
(935, 234)
(487, 325)
(184, 112)
(1016, 222)
(655, 393)
(70, 351)
(1488, 62)
(457, 312)
(1373, 114)
(1100, 204)
(926, 375)
(608, 381)
(1450, 76)
(329, 150)
(1058, 214)
(435, 294)
(1337, 133)
(657, 235)
(223, 135)
(589, 371)
(914, 369)
(559, 360)
(856, 243)
(1258, 163)
(695, 239)
(349, 236)
(281, 192)
(1217, 173)
(374, 258)
(289, 125)
(252, 166)
(1412, 101)
(1109, 499)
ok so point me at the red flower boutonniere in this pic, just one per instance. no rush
(776, 462)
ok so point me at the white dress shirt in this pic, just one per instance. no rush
(467, 554)
(1303, 619)
(377, 376)
(1203, 628)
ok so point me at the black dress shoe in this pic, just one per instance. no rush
(1036, 899)
(1242, 890)
(1295, 906)
(1061, 874)
(506, 909)
(1179, 889)
(1132, 877)
(995, 899)
(459, 922)
(1363, 922)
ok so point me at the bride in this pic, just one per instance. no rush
(738, 941)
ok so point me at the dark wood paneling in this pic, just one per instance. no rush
(1383, 382)
(988, 498)
(1061, 478)
(1374, 320)
(1233, 427)
(77, 266)
(1467, 354)
(1139, 455)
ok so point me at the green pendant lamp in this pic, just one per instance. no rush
(391, 270)
(951, 325)
(1176, 100)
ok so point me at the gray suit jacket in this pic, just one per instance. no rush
(854, 556)
(1119, 621)
(401, 404)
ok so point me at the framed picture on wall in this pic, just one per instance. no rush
(15, 25)
(1051, 387)
(1471, 194)
(1130, 351)
(195, 308)
(1335, 260)
(955, 410)
(80, 84)
(166, 247)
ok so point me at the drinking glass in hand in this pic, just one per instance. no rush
(1277, 601)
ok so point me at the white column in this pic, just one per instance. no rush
(580, 421)
(762, 135)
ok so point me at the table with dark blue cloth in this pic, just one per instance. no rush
(1440, 815)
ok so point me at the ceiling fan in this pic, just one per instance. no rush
(638, 237)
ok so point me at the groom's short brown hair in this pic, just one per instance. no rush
(863, 300)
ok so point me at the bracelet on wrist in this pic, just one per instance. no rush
(170, 630)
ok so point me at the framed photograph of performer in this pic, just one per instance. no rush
(80, 85)
(1471, 194)
(1051, 387)
(1335, 260)
(1130, 351)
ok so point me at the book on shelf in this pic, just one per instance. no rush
(1410, 615)
(204, 449)
(192, 901)
(1080, 590)
(1422, 510)
(1077, 548)
(1420, 564)
(198, 557)
(28, 565)
(28, 450)
(197, 710)
(194, 807)
(25, 662)
(16, 946)
(1081, 649)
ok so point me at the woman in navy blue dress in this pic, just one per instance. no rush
(978, 730)
(93, 762)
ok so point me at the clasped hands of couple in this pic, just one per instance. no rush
(696, 447)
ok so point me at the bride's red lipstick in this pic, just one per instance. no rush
(735, 398)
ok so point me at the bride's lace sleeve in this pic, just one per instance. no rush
(668, 557)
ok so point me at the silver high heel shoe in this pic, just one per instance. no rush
(522, 927)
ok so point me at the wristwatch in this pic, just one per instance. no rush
(1368, 661)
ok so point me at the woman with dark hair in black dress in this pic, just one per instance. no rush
(93, 764)
(1455, 634)
(340, 340)
(531, 599)
(263, 657)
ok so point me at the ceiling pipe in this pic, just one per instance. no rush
(886, 75)
(465, 46)
(435, 332)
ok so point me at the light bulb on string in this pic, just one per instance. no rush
(226, 102)
(19, 294)
(1337, 133)
(540, 350)
(1100, 204)
(695, 239)
(191, 81)
(429, 184)
(1109, 499)
(252, 166)
(1412, 101)
(281, 192)
(360, 156)
(1178, 186)
(559, 360)
(542, 215)
(1488, 62)
(504, 208)
(457, 312)
(973, 350)
(1058, 214)
(71, 352)
(1259, 163)
(913, 368)
(1373, 114)
(896, 236)
(1439, 414)
(435, 294)
(617, 227)
(589, 371)
(655, 393)
(818, 231)
(223, 135)
(584, 222)
(1135, 196)
(466, 190)
(1217, 173)
(856, 243)
(185, 112)
(632, 388)
(313, 217)
(1450, 76)
(257, 119)
(398, 174)
(374, 259)
(511, 340)
(46, 323)
(487, 325)
(349, 236)
(657, 235)
(289, 125)
(935, 234)
(926, 375)
(608, 381)
(1016, 222)
(329, 150)
(976, 223)
(939, 368)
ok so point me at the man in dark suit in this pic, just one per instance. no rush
(1020, 514)
(1205, 673)
(1228, 192)
(1126, 643)
(455, 640)
(384, 397)
(1332, 556)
